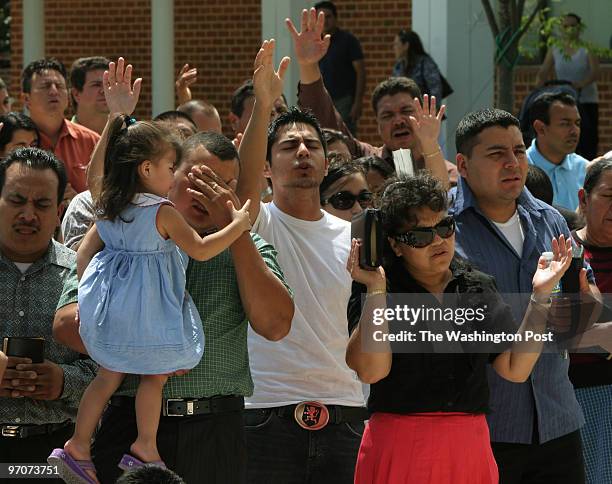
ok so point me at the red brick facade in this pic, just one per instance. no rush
(221, 38)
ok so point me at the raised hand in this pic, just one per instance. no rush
(186, 77)
(310, 46)
(426, 121)
(546, 278)
(268, 83)
(121, 96)
(373, 280)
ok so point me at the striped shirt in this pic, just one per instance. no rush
(547, 398)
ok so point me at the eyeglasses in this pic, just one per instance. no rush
(345, 200)
(420, 237)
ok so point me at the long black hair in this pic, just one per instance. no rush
(415, 50)
(128, 147)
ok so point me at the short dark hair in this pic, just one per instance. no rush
(80, 68)
(36, 159)
(373, 162)
(472, 124)
(336, 171)
(293, 116)
(333, 135)
(594, 173)
(13, 122)
(327, 5)
(538, 184)
(392, 86)
(175, 116)
(215, 143)
(150, 474)
(196, 105)
(576, 16)
(37, 67)
(401, 198)
(574, 221)
(540, 108)
(244, 92)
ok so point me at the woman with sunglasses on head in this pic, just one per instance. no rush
(344, 190)
(17, 131)
(428, 408)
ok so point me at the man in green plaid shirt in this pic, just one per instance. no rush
(201, 434)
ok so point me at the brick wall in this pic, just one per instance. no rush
(219, 37)
(374, 24)
(524, 83)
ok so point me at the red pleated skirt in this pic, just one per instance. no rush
(427, 448)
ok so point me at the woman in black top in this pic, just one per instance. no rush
(428, 423)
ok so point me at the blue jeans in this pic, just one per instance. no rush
(281, 452)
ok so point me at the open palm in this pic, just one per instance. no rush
(310, 45)
(268, 83)
(121, 96)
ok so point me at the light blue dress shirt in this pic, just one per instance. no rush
(567, 177)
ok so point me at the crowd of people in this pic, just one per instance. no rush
(201, 305)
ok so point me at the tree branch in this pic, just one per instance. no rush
(520, 9)
(486, 5)
(541, 4)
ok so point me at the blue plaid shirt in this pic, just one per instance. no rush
(548, 394)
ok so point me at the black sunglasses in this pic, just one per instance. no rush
(420, 237)
(345, 200)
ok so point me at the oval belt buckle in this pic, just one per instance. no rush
(311, 415)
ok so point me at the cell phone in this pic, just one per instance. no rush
(570, 281)
(366, 227)
(25, 347)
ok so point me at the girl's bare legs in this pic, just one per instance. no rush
(148, 410)
(91, 407)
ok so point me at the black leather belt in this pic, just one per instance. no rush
(337, 413)
(185, 407)
(24, 431)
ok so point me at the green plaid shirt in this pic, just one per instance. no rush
(27, 306)
(224, 368)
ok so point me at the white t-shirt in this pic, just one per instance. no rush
(308, 363)
(513, 231)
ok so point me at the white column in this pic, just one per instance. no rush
(33, 30)
(273, 15)
(457, 36)
(162, 55)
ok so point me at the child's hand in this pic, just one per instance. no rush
(242, 215)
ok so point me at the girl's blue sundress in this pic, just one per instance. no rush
(136, 316)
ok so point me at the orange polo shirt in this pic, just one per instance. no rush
(74, 147)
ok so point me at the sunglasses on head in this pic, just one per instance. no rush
(420, 237)
(345, 200)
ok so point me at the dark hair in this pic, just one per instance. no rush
(36, 159)
(172, 120)
(392, 86)
(415, 51)
(336, 171)
(378, 164)
(472, 124)
(333, 135)
(594, 173)
(150, 474)
(127, 148)
(538, 184)
(13, 122)
(195, 106)
(574, 220)
(576, 16)
(215, 143)
(80, 68)
(540, 108)
(244, 92)
(293, 116)
(327, 5)
(175, 116)
(38, 67)
(400, 200)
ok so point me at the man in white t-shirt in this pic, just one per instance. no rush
(305, 419)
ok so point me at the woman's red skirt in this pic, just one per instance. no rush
(426, 448)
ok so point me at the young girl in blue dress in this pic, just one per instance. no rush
(136, 317)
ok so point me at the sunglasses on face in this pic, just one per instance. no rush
(420, 237)
(345, 200)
